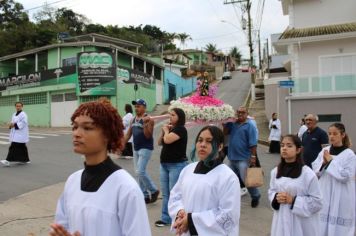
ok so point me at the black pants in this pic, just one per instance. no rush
(128, 150)
(242, 184)
(274, 147)
(18, 153)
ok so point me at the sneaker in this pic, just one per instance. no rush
(154, 196)
(5, 162)
(147, 200)
(128, 157)
(160, 223)
(255, 202)
(243, 191)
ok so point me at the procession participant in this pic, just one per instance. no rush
(18, 137)
(275, 134)
(127, 153)
(302, 128)
(173, 138)
(335, 167)
(242, 148)
(102, 198)
(141, 129)
(206, 198)
(313, 140)
(294, 193)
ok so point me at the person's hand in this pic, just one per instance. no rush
(59, 230)
(181, 222)
(166, 128)
(253, 161)
(327, 157)
(146, 119)
(284, 198)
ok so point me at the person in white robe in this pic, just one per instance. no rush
(294, 193)
(101, 199)
(336, 169)
(18, 137)
(205, 200)
(275, 134)
(127, 153)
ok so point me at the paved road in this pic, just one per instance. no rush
(53, 160)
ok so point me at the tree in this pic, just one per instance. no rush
(211, 48)
(11, 14)
(183, 37)
(236, 54)
(70, 21)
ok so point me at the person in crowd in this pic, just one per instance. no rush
(127, 153)
(242, 148)
(294, 193)
(206, 198)
(141, 129)
(173, 139)
(102, 198)
(302, 128)
(336, 168)
(275, 134)
(18, 137)
(313, 140)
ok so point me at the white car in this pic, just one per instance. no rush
(227, 75)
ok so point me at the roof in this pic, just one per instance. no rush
(170, 52)
(318, 31)
(78, 44)
(103, 39)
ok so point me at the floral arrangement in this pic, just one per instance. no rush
(202, 106)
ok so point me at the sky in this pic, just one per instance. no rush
(201, 19)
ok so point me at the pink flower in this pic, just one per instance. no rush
(202, 101)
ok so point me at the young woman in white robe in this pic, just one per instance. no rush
(205, 201)
(294, 193)
(335, 167)
(101, 199)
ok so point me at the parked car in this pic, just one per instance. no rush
(227, 75)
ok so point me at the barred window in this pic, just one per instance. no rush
(57, 98)
(91, 98)
(7, 101)
(70, 97)
(35, 98)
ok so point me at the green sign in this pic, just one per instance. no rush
(96, 73)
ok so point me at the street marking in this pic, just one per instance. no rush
(45, 134)
(4, 143)
(31, 136)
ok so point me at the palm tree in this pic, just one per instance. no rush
(236, 54)
(183, 37)
(211, 48)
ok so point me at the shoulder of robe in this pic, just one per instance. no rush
(74, 176)
(308, 173)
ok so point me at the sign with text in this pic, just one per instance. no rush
(41, 78)
(130, 76)
(96, 73)
(286, 84)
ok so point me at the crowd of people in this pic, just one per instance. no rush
(311, 192)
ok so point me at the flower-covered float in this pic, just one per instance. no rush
(202, 106)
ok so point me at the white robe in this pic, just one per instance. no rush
(275, 134)
(117, 208)
(19, 135)
(126, 120)
(303, 219)
(338, 188)
(212, 198)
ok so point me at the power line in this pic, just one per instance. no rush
(216, 36)
(46, 4)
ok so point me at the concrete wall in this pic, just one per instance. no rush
(309, 53)
(309, 13)
(183, 86)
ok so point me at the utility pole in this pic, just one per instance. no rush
(267, 56)
(259, 50)
(248, 8)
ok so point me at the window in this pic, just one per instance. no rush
(70, 97)
(69, 61)
(336, 65)
(91, 98)
(57, 98)
(35, 98)
(7, 101)
(330, 118)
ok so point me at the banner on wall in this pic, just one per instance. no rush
(96, 73)
(130, 76)
(42, 78)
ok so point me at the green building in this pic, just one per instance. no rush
(51, 81)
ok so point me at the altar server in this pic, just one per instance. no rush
(206, 199)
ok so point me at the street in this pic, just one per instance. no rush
(52, 161)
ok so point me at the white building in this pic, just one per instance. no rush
(321, 41)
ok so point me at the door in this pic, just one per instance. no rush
(62, 108)
(172, 92)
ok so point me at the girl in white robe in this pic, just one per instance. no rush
(102, 199)
(205, 200)
(294, 193)
(335, 167)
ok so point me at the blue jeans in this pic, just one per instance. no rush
(240, 167)
(169, 173)
(141, 159)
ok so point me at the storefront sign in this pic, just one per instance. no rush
(96, 73)
(130, 76)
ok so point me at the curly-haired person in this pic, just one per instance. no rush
(102, 198)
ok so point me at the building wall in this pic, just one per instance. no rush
(124, 60)
(309, 53)
(183, 86)
(307, 13)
